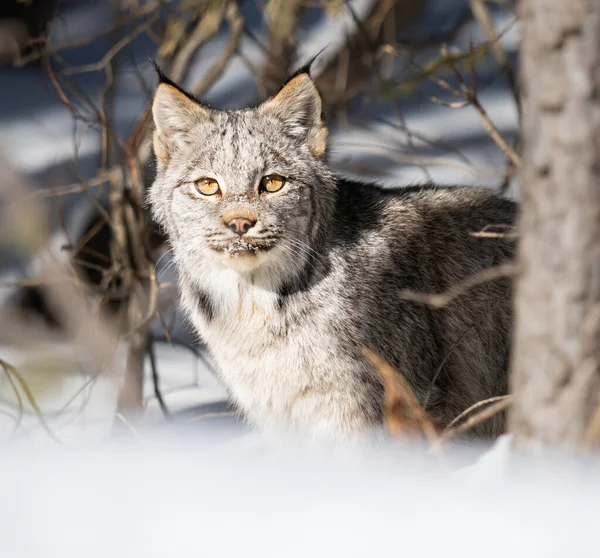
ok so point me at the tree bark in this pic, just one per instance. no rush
(556, 359)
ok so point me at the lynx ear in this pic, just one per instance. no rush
(298, 106)
(174, 113)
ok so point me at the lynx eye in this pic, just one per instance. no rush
(272, 183)
(207, 186)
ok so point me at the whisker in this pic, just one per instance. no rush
(169, 251)
(295, 252)
(308, 250)
(168, 267)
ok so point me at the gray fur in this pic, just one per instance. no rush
(286, 323)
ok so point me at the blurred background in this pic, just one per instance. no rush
(90, 337)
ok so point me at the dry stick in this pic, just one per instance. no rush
(236, 24)
(138, 322)
(511, 233)
(120, 418)
(442, 299)
(113, 51)
(106, 103)
(131, 399)
(591, 439)
(203, 416)
(81, 244)
(410, 134)
(456, 105)
(483, 17)
(9, 369)
(20, 406)
(483, 234)
(399, 396)
(333, 54)
(495, 134)
(281, 18)
(502, 402)
(139, 14)
(91, 380)
(410, 159)
(72, 307)
(38, 282)
(469, 96)
(473, 407)
(69, 302)
(442, 364)
(92, 199)
(262, 92)
(156, 380)
(16, 421)
(119, 246)
(362, 45)
(137, 142)
(208, 26)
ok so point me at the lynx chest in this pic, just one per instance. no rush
(277, 362)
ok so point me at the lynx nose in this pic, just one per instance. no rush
(240, 225)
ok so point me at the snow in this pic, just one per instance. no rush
(194, 497)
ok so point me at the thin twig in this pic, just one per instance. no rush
(115, 49)
(443, 299)
(123, 420)
(495, 134)
(402, 408)
(145, 10)
(236, 24)
(484, 18)
(20, 407)
(156, 380)
(9, 369)
(220, 414)
(442, 364)
(591, 438)
(502, 403)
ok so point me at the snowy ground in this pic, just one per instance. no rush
(178, 499)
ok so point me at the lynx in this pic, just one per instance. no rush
(288, 270)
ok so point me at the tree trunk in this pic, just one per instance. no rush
(556, 360)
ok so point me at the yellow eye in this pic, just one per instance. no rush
(272, 183)
(207, 186)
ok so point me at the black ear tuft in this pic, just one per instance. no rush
(162, 78)
(304, 69)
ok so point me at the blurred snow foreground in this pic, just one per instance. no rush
(180, 499)
(204, 485)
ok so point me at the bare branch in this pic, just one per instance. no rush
(403, 412)
(443, 299)
(498, 404)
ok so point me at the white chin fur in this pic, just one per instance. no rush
(241, 261)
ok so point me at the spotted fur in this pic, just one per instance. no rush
(286, 309)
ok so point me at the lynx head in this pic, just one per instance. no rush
(245, 189)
